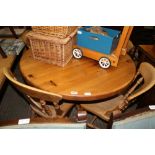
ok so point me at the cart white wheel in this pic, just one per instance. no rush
(104, 63)
(77, 53)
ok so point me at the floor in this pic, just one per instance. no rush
(12, 104)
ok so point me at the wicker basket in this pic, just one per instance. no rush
(54, 31)
(51, 49)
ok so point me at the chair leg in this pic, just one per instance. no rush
(33, 115)
(59, 112)
(94, 118)
(13, 32)
(91, 125)
(110, 122)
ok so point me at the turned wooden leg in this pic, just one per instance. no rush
(110, 122)
(91, 125)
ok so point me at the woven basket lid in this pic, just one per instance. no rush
(56, 40)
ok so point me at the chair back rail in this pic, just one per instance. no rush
(31, 91)
(147, 72)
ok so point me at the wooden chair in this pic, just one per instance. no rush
(43, 103)
(139, 119)
(119, 104)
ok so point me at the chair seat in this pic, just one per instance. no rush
(102, 109)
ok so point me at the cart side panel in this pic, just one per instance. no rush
(98, 42)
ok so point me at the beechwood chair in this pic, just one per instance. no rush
(143, 81)
(44, 104)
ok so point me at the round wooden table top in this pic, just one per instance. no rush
(79, 80)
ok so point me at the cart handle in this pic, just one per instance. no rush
(94, 38)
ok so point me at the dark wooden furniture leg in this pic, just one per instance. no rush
(2, 53)
(13, 32)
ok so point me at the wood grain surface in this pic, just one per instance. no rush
(79, 80)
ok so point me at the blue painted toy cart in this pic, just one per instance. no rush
(105, 49)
